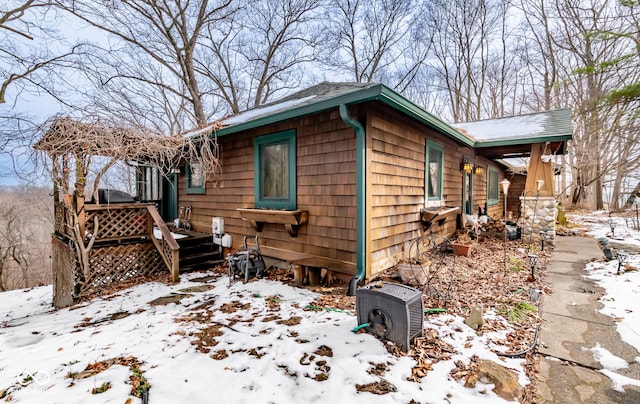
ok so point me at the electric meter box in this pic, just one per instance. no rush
(217, 225)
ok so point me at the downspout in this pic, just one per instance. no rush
(360, 198)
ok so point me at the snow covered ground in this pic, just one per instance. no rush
(250, 343)
(622, 290)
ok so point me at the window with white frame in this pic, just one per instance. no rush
(492, 186)
(195, 178)
(434, 171)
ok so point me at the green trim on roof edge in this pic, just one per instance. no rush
(377, 92)
(382, 93)
(402, 104)
(354, 97)
(510, 142)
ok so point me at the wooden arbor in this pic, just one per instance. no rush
(96, 244)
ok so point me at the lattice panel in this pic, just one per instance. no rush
(168, 252)
(118, 263)
(118, 223)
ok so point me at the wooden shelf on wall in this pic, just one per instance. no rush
(439, 215)
(292, 219)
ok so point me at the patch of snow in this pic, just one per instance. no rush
(622, 291)
(267, 359)
(622, 295)
(255, 113)
(504, 128)
(158, 234)
(620, 381)
(605, 358)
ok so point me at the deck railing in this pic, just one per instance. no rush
(120, 233)
(130, 222)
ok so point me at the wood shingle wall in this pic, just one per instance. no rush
(396, 184)
(326, 187)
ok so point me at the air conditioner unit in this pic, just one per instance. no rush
(217, 225)
(392, 311)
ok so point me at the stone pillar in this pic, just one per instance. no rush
(538, 213)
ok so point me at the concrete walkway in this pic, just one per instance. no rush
(572, 324)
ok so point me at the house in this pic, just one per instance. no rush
(346, 175)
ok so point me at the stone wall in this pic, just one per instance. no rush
(538, 214)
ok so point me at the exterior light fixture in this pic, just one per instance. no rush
(622, 257)
(466, 166)
(612, 225)
(539, 184)
(478, 170)
(505, 186)
(533, 260)
(543, 236)
(505, 190)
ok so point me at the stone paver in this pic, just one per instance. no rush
(571, 325)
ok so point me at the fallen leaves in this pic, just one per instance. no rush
(291, 321)
(428, 350)
(206, 338)
(234, 306)
(137, 380)
(380, 387)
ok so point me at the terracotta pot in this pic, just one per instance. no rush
(413, 275)
(461, 249)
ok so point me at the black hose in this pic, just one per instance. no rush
(523, 353)
(145, 395)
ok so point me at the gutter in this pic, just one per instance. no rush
(360, 198)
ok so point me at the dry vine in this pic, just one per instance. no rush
(67, 139)
(70, 142)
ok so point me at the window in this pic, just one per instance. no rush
(492, 186)
(434, 168)
(195, 178)
(149, 184)
(275, 170)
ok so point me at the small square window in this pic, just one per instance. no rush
(195, 178)
(434, 171)
(275, 171)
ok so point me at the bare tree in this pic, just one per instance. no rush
(539, 55)
(587, 80)
(31, 53)
(161, 38)
(260, 51)
(25, 227)
(370, 41)
(463, 34)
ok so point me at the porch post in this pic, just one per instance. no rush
(538, 202)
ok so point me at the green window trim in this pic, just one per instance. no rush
(493, 192)
(194, 189)
(434, 166)
(260, 144)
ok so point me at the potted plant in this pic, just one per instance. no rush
(462, 246)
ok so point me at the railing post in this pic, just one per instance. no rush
(175, 265)
(149, 223)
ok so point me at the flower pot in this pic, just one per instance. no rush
(461, 249)
(413, 274)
